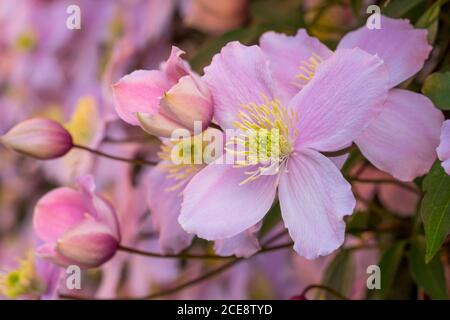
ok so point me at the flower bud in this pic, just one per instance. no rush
(76, 227)
(188, 101)
(160, 101)
(38, 138)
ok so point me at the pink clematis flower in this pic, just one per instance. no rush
(76, 226)
(165, 186)
(444, 147)
(163, 100)
(340, 99)
(402, 140)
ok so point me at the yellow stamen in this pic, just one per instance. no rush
(266, 133)
(182, 160)
(307, 70)
(21, 281)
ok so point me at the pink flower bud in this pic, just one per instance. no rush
(163, 100)
(189, 101)
(38, 138)
(77, 227)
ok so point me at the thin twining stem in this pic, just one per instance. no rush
(192, 282)
(331, 291)
(171, 256)
(339, 152)
(390, 181)
(138, 162)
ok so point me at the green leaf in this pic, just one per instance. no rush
(435, 209)
(430, 277)
(398, 8)
(285, 13)
(340, 274)
(356, 7)
(389, 264)
(270, 219)
(357, 223)
(430, 20)
(437, 88)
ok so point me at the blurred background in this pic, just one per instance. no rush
(49, 70)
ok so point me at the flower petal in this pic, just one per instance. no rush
(286, 55)
(347, 91)
(402, 140)
(237, 75)
(58, 211)
(165, 207)
(90, 244)
(314, 198)
(403, 48)
(215, 206)
(175, 67)
(244, 244)
(139, 91)
(443, 150)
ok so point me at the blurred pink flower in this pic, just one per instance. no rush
(403, 138)
(165, 99)
(76, 226)
(214, 16)
(340, 99)
(395, 198)
(444, 147)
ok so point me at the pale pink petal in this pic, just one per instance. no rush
(314, 198)
(188, 101)
(215, 206)
(59, 211)
(244, 244)
(48, 251)
(89, 244)
(288, 53)
(101, 209)
(237, 75)
(443, 150)
(347, 91)
(403, 48)
(175, 67)
(165, 207)
(402, 140)
(139, 91)
(157, 124)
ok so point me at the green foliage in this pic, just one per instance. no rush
(399, 8)
(430, 277)
(340, 274)
(389, 265)
(437, 88)
(435, 209)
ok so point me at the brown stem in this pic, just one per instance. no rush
(339, 152)
(189, 283)
(390, 181)
(171, 256)
(138, 162)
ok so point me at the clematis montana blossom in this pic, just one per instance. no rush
(166, 183)
(166, 99)
(402, 140)
(76, 226)
(339, 99)
(444, 147)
